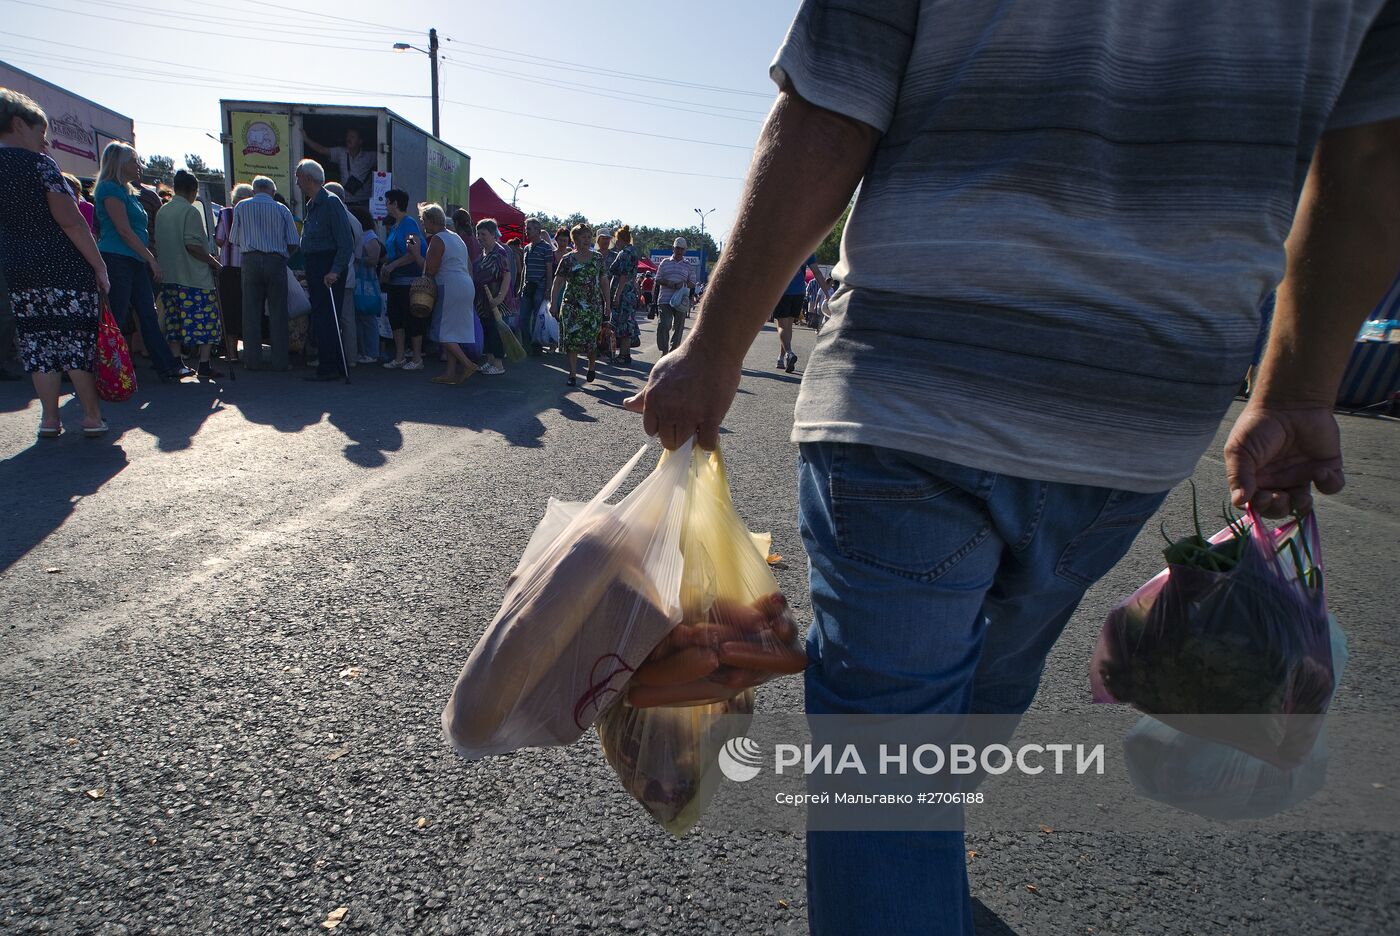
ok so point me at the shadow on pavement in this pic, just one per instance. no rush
(987, 923)
(72, 468)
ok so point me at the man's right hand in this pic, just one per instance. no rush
(156, 273)
(688, 394)
(1277, 453)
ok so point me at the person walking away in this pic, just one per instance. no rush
(230, 279)
(326, 245)
(53, 271)
(491, 273)
(398, 273)
(580, 301)
(539, 274)
(265, 234)
(189, 292)
(131, 265)
(345, 301)
(455, 325)
(622, 287)
(465, 227)
(356, 164)
(973, 452)
(789, 308)
(369, 250)
(673, 275)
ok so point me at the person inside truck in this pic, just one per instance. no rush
(356, 164)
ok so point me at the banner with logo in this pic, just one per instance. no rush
(449, 176)
(260, 147)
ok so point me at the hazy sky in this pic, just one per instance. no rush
(167, 64)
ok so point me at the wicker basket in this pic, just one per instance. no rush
(422, 296)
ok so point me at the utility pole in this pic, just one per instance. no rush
(433, 57)
(703, 215)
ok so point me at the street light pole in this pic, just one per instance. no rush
(703, 215)
(433, 57)
(514, 188)
(432, 53)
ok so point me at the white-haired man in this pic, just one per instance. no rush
(265, 234)
(674, 274)
(326, 244)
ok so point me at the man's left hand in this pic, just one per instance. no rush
(331, 279)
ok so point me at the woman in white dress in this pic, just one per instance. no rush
(455, 324)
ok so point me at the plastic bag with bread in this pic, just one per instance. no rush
(653, 617)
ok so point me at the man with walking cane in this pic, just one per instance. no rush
(326, 245)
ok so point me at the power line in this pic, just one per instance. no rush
(355, 33)
(604, 93)
(589, 126)
(514, 55)
(584, 162)
(50, 8)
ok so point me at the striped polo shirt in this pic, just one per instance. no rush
(1055, 262)
(263, 224)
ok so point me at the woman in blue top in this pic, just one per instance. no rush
(399, 271)
(130, 264)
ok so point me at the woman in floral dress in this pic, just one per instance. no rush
(622, 287)
(52, 267)
(580, 300)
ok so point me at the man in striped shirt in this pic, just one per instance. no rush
(265, 233)
(539, 273)
(1069, 214)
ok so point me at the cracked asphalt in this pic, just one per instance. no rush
(227, 633)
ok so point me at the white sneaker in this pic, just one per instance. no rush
(366, 359)
(395, 364)
(782, 360)
(493, 369)
(413, 365)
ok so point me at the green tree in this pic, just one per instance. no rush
(160, 168)
(830, 249)
(195, 163)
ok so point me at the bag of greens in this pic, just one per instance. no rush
(1236, 625)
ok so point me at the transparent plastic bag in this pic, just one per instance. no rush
(1252, 641)
(597, 587)
(601, 598)
(663, 741)
(1217, 781)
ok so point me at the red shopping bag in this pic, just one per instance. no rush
(116, 378)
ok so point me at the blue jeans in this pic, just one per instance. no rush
(132, 288)
(936, 589)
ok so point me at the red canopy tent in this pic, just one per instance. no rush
(485, 203)
(645, 265)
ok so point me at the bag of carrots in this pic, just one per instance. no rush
(653, 617)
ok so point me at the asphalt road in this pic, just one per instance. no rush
(236, 622)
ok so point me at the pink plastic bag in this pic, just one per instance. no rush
(1192, 644)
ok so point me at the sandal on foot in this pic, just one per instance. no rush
(93, 432)
(50, 432)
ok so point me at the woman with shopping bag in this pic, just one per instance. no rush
(53, 269)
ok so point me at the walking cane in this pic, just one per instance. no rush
(339, 338)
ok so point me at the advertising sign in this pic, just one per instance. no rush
(448, 176)
(382, 182)
(260, 144)
(693, 257)
(78, 128)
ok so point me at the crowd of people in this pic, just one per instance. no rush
(250, 284)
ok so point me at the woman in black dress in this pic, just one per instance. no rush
(52, 266)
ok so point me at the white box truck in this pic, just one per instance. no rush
(78, 128)
(270, 138)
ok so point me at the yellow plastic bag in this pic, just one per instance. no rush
(667, 756)
(609, 609)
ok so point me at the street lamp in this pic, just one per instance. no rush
(703, 215)
(432, 53)
(514, 188)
